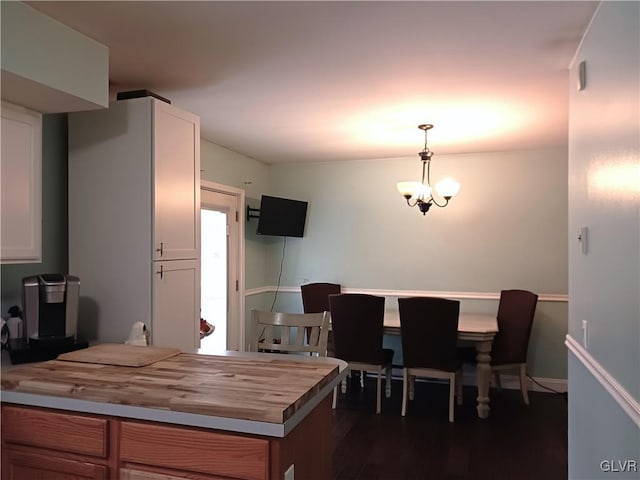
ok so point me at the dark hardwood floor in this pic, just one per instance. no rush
(516, 442)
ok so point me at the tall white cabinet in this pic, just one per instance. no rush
(134, 221)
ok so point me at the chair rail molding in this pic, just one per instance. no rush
(626, 401)
(543, 297)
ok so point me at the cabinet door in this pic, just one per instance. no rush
(19, 465)
(20, 174)
(176, 304)
(176, 149)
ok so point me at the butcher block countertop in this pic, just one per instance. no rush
(256, 393)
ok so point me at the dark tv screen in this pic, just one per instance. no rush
(281, 217)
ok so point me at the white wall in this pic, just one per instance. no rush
(604, 284)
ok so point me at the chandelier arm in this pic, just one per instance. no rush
(433, 199)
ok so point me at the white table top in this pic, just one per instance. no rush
(471, 326)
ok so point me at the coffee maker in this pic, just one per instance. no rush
(50, 308)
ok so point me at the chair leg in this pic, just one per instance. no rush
(335, 396)
(459, 377)
(452, 391)
(379, 391)
(405, 381)
(387, 382)
(362, 379)
(497, 378)
(523, 383)
(412, 384)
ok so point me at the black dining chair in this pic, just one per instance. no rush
(315, 299)
(315, 296)
(357, 324)
(516, 311)
(429, 335)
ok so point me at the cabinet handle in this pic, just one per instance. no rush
(161, 249)
(161, 271)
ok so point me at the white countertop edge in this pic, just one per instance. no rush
(178, 418)
(297, 417)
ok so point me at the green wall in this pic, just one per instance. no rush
(604, 282)
(226, 167)
(49, 67)
(507, 228)
(54, 214)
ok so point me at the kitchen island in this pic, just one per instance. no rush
(237, 416)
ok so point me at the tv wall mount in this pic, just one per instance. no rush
(251, 213)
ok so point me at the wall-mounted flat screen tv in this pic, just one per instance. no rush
(281, 217)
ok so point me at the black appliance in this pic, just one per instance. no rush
(50, 308)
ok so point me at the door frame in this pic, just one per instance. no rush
(239, 194)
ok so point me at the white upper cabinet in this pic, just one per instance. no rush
(21, 178)
(176, 147)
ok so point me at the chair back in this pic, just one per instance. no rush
(515, 319)
(315, 296)
(429, 332)
(357, 321)
(285, 332)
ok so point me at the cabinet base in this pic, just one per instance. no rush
(22, 352)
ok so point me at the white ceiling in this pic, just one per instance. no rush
(308, 81)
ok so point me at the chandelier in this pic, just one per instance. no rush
(421, 193)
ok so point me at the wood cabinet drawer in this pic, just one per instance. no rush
(58, 431)
(194, 450)
(136, 474)
(19, 465)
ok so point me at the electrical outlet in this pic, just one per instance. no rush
(290, 474)
(585, 337)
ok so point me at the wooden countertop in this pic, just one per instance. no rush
(262, 388)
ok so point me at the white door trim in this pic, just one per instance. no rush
(240, 202)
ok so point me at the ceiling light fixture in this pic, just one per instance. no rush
(420, 193)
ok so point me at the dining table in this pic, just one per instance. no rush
(479, 329)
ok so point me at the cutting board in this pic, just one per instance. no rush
(120, 354)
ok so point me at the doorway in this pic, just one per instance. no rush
(222, 254)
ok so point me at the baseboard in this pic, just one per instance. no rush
(509, 382)
(534, 384)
